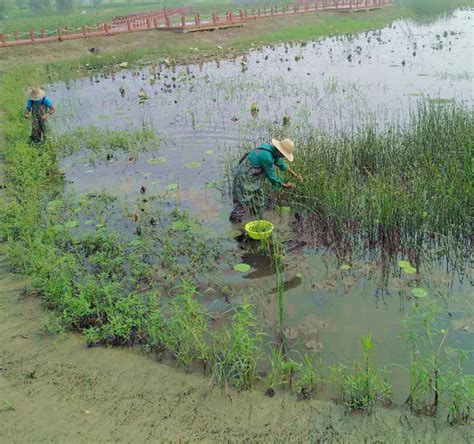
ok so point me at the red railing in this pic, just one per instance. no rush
(163, 20)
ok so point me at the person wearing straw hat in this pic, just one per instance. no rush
(256, 166)
(38, 108)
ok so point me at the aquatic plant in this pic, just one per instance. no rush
(426, 343)
(236, 351)
(459, 389)
(186, 327)
(363, 388)
(307, 378)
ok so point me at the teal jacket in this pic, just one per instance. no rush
(264, 159)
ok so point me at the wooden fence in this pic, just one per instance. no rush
(179, 20)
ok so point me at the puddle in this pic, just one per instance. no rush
(203, 114)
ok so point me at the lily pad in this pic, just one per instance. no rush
(192, 164)
(243, 268)
(419, 292)
(172, 186)
(404, 264)
(71, 224)
(409, 270)
(156, 160)
(235, 233)
(345, 267)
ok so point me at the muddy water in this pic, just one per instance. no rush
(202, 113)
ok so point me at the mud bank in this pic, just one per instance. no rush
(54, 389)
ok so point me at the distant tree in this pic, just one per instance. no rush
(64, 6)
(39, 5)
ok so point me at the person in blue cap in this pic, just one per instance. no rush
(38, 108)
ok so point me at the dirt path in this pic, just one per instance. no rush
(57, 390)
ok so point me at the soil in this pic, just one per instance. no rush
(55, 389)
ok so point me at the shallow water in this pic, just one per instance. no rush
(202, 113)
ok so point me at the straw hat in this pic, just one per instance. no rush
(286, 147)
(36, 93)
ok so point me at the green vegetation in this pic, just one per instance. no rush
(236, 351)
(365, 387)
(389, 187)
(432, 375)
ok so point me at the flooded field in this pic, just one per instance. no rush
(202, 115)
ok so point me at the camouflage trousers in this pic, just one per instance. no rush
(247, 191)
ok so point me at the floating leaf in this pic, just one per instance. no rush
(156, 160)
(409, 270)
(345, 267)
(147, 175)
(89, 222)
(100, 226)
(209, 152)
(89, 171)
(58, 228)
(404, 264)
(192, 164)
(419, 292)
(299, 275)
(243, 268)
(172, 186)
(156, 182)
(235, 233)
(71, 224)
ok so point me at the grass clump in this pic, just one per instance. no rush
(434, 379)
(398, 188)
(365, 387)
(236, 351)
(186, 328)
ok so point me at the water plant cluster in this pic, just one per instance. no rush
(400, 188)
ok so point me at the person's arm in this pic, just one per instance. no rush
(283, 166)
(50, 108)
(296, 175)
(267, 166)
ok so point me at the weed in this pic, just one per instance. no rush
(307, 379)
(53, 326)
(363, 388)
(186, 327)
(236, 351)
(426, 360)
(460, 393)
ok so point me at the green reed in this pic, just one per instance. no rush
(392, 187)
